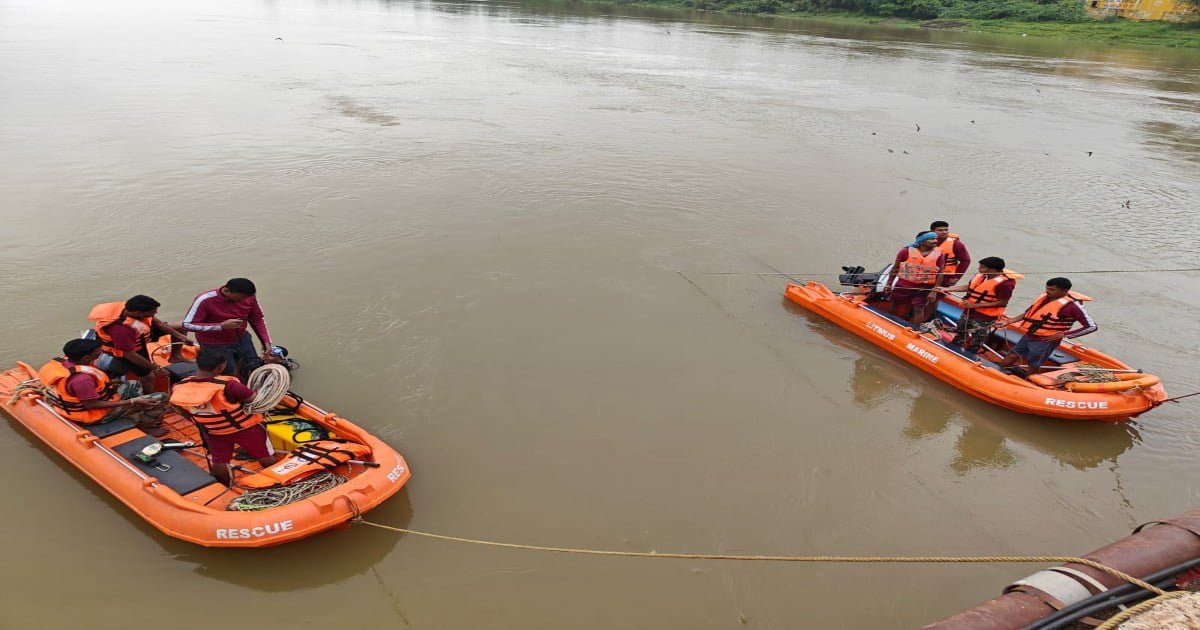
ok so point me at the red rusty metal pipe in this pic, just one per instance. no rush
(1150, 548)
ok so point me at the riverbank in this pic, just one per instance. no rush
(1116, 31)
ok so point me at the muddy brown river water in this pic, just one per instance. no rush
(489, 231)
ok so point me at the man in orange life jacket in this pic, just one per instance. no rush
(125, 329)
(958, 259)
(214, 402)
(986, 296)
(1046, 323)
(915, 272)
(86, 395)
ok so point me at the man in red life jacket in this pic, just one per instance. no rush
(124, 329)
(1046, 323)
(958, 259)
(986, 296)
(87, 395)
(219, 318)
(214, 402)
(915, 273)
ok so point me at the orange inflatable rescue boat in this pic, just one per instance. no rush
(346, 470)
(1063, 391)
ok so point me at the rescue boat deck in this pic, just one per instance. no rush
(214, 495)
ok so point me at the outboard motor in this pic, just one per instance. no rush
(870, 281)
(857, 277)
(249, 364)
(282, 353)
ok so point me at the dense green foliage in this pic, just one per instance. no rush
(1021, 10)
(1062, 19)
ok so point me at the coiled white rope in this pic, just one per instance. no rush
(267, 498)
(270, 384)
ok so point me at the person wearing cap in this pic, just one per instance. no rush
(125, 328)
(220, 319)
(87, 395)
(914, 274)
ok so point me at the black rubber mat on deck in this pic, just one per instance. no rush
(112, 427)
(183, 476)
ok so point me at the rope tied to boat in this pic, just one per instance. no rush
(270, 383)
(31, 387)
(267, 498)
(355, 511)
(1087, 373)
(776, 558)
(1176, 398)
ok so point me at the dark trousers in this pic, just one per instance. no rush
(240, 358)
(973, 333)
(1035, 351)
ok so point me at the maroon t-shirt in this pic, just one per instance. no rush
(82, 386)
(211, 308)
(123, 337)
(235, 392)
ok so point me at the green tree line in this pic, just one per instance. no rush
(1020, 10)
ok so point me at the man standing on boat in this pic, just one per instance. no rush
(219, 318)
(215, 403)
(1046, 323)
(958, 259)
(986, 296)
(915, 272)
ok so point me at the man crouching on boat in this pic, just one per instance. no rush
(87, 395)
(986, 296)
(215, 403)
(124, 330)
(1045, 324)
(916, 271)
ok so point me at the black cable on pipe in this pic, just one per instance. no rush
(1117, 595)
(1107, 599)
(1122, 594)
(1098, 605)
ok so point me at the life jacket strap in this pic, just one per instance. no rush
(322, 456)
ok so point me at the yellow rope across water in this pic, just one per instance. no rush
(718, 556)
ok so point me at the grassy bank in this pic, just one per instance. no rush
(1075, 26)
(1117, 31)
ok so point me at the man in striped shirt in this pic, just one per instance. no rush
(1052, 318)
(220, 318)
